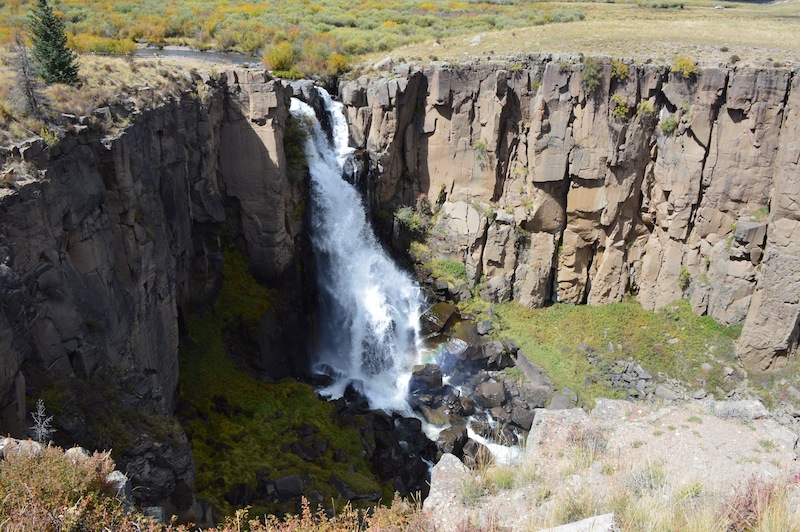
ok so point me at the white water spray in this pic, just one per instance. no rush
(369, 309)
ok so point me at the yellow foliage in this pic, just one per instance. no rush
(92, 43)
(389, 24)
(337, 63)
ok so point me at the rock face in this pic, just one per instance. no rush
(108, 241)
(651, 184)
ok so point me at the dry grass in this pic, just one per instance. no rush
(105, 81)
(758, 33)
(43, 490)
(642, 498)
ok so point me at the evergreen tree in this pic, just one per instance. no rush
(56, 62)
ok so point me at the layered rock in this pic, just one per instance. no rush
(557, 183)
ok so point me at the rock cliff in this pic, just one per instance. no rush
(584, 182)
(106, 242)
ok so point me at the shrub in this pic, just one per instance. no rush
(619, 107)
(685, 278)
(748, 506)
(481, 148)
(669, 124)
(449, 269)
(685, 67)
(619, 70)
(104, 45)
(411, 220)
(294, 139)
(591, 76)
(337, 64)
(46, 491)
(280, 57)
(645, 110)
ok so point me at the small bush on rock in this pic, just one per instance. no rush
(669, 124)
(592, 76)
(685, 67)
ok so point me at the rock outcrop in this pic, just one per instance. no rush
(106, 242)
(560, 182)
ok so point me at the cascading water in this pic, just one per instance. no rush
(369, 309)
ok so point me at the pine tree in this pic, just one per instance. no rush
(56, 62)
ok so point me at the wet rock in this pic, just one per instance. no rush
(451, 440)
(464, 407)
(425, 378)
(435, 318)
(490, 394)
(500, 414)
(433, 416)
(476, 454)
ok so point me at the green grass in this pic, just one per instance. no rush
(449, 270)
(550, 337)
(235, 447)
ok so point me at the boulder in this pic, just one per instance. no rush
(435, 318)
(451, 440)
(477, 455)
(490, 394)
(425, 379)
(289, 487)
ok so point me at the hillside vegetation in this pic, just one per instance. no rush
(317, 33)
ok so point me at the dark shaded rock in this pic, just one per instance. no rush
(342, 488)
(242, 495)
(496, 355)
(476, 454)
(451, 440)
(464, 407)
(481, 427)
(535, 396)
(340, 456)
(499, 413)
(522, 417)
(425, 378)
(435, 318)
(289, 487)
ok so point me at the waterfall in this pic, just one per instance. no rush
(369, 308)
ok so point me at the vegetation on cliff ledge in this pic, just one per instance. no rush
(241, 428)
(672, 341)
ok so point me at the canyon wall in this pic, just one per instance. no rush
(106, 242)
(555, 180)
